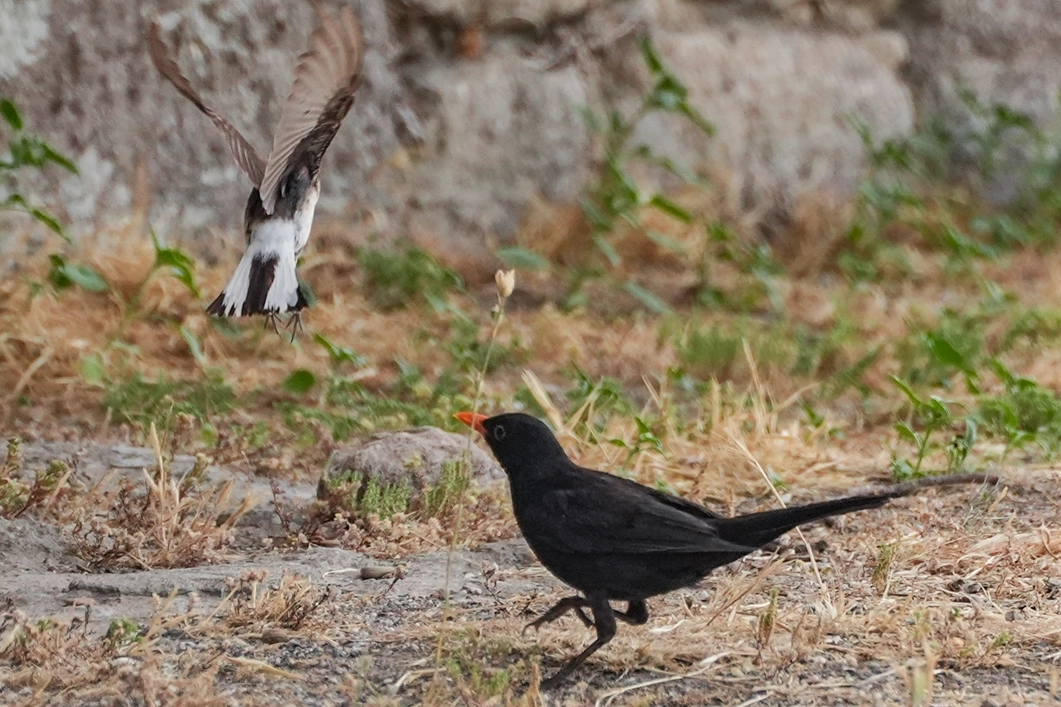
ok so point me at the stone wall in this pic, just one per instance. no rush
(470, 108)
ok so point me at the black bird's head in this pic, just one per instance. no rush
(523, 445)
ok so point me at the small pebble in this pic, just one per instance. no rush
(376, 572)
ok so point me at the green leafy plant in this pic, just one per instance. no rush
(468, 351)
(936, 181)
(751, 258)
(176, 263)
(351, 493)
(600, 398)
(299, 381)
(1024, 413)
(122, 633)
(39, 493)
(339, 355)
(62, 274)
(173, 262)
(397, 278)
(711, 352)
(928, 417)
(646, 440)
(954, 347)
(27, 150)
(132, 398)
(383, 500)
(450, 489)
(521, 259)
(615, 196)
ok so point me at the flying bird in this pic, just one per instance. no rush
(613, 539)
(279, 211)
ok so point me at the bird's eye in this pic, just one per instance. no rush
(499, 433)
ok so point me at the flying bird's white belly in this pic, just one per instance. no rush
(304, 217)
(275, 235)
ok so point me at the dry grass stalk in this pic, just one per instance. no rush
(49, 488)
(166, 522)
(55, 659)
(293, 604)
(487, 516)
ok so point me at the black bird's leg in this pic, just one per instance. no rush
(563, 606)
(604, 620)
(636, 612)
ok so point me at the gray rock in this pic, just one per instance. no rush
(499, 133)
(1004, 51)
(415, 458)
(27, 544)
(780, 100)
(24, 28)
(124, 456)
(497, 127)
(92, 461)
(88, 86)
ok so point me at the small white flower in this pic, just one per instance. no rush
(506, 282)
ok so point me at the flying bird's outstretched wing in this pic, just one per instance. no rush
(323, 91)
(245, 156)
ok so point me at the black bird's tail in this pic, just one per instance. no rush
(757, 529)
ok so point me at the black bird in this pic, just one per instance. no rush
(279, 211)
(616, 540)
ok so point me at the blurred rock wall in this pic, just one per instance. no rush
(470, 108)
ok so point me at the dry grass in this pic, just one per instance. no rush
(58, 660)
(43, 495)
(47, 337)
(165, 522)
(277, 612)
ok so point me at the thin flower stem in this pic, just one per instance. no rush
(505, 282)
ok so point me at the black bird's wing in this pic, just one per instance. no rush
(600, 514)
(671, 500)
(247, 159)
(323, 91)
(596, 513)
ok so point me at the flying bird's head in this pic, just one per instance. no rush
(523, 445)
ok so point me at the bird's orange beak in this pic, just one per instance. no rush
(472, 420)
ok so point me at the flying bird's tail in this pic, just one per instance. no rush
(263, 283)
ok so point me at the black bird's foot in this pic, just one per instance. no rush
(551, 683)
(563, 606)
(603, 621)
(636, 613)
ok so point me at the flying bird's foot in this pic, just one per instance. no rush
(575, 603)
(295, 324)
(272, 318)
